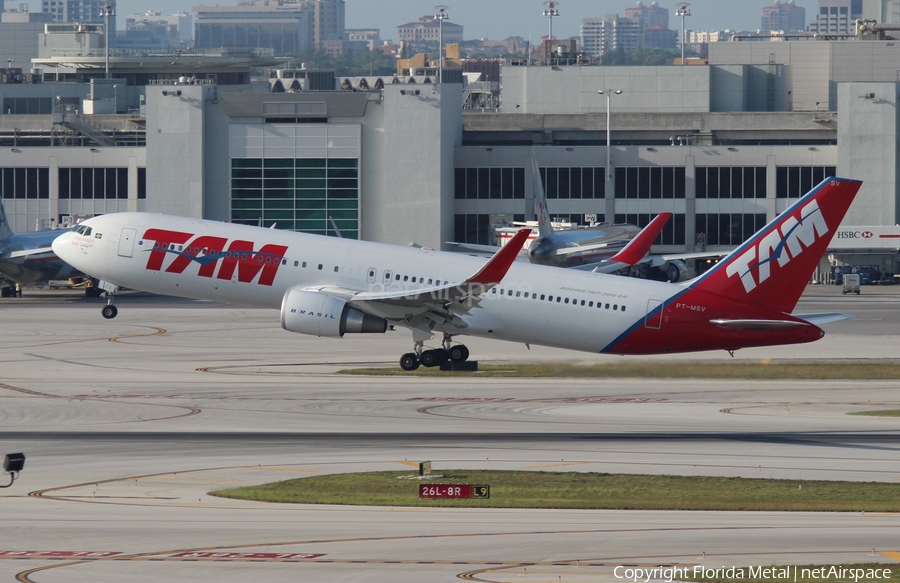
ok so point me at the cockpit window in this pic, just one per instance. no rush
(83, 230)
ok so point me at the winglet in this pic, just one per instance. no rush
(495, 269)
(639, 246)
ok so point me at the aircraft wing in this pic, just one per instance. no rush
(657, 260)
(438, 301)
(27, 253)
(473, 247)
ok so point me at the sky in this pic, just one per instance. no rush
(499, 19)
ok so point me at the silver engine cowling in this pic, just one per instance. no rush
(318, 314)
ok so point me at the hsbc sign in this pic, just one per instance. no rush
(850, 238)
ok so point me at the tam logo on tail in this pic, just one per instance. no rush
(781, 245)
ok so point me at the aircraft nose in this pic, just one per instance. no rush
(62, 246)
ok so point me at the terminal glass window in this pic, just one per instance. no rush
(672, 233)
(795, 181)
(24, 183)
(489, 183)
(731, 182)
(93, 183)
(313, 195)
(476, 229)
(574, 182)
(727, 229)
(657, 182)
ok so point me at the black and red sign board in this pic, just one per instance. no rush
(454, 491)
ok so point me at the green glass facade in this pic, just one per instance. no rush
(312, 195)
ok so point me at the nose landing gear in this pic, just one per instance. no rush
(436, 357)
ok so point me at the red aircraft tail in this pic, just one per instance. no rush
(772, 268)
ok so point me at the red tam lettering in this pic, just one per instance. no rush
(250, 263)
(163, 238)
(191, 253)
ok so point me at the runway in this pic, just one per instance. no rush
(128, 424)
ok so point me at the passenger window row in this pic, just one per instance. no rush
(558, 299)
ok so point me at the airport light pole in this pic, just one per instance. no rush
(609, 93)
(683, 11)
(550, 13)
(441, 16)
(107, 11)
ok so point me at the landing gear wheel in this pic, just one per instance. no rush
(459, 353)
(109, 312)
(409, 361)
(435, 357)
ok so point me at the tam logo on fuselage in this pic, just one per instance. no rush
(210, 252)
(782, 244)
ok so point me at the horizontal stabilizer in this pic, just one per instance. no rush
(756, 324)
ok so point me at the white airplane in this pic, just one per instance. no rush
(331, 287)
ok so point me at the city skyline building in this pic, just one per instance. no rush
(784, 16)
(428, 30)
(836, 17)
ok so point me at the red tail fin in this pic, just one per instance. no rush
(773, 267)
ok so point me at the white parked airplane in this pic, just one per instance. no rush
(330, 287)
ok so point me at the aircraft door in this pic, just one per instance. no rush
(653, 319)
(126, 242)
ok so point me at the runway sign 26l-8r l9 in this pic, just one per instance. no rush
(448, 491)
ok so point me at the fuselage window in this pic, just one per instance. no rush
(590, 304)
(542, 296)
(549, 298)
(607, 306)
(623, 308)
(615, 306)
(388, 276)
(567, 300)
(429, 281)
(493, 290)
(582, 302)
(297, 264)
(405, 278)
(559, 299)
(320, 267)
(398, 277)
(244, 257)
(518, 294)
(304, 265)
(336, 268)
(414, 280)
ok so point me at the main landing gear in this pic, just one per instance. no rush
(434, 357)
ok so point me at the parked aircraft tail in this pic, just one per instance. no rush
(5, 231)
(772, 268)
(545, 229)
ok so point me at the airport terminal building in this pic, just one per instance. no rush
(725, 147)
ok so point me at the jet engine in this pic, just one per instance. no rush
(319, 314)
(675, 271)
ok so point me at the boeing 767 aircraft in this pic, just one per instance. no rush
(331, 287)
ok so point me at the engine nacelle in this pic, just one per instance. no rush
(319, 314)
(676, 271)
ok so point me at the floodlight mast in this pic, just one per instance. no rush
(683, 11)
(550, 13)
(609, 93)
(441, 16)
(107, 11)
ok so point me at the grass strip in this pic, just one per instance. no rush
(882, 413)
(866, 572)
(761, 370)
(577, 490)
